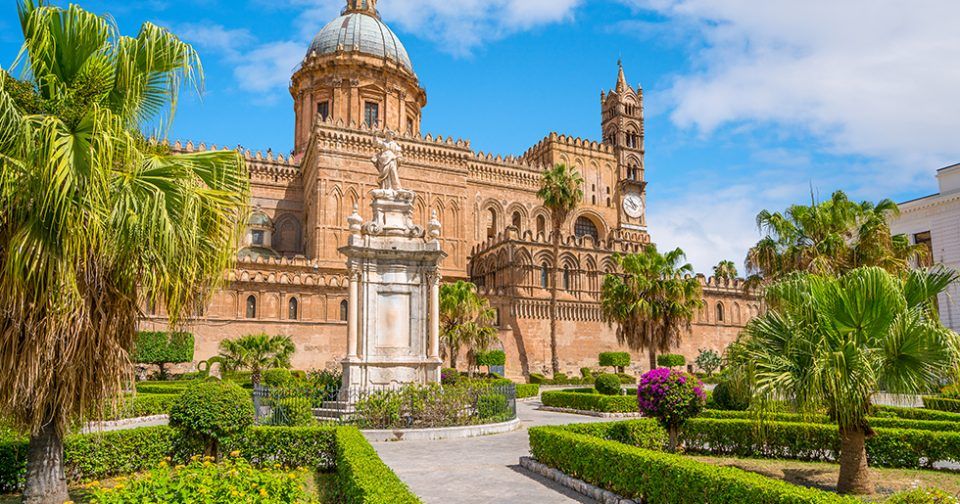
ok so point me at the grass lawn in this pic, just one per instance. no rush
(824, 475)
(322, 486)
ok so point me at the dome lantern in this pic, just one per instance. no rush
(368, 7)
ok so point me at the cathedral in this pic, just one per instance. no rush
(356, 83)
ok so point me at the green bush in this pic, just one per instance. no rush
(608, 384)
(292, 412)
(449, 376)
(586, 372)
(362, 477)
(162, 348)
(537, 378)
(312, 446)
(889, 447)
(873, 421)
(663, 478)
(708, 361)
(643, 433)
(240, 377)
(163, 387)
(627, 379)
(726, 397)
(589, 402)
(922, 496)
(527, 390)
(941, 404)
(671, 360)
(278, 377)
(915, 413)
(951, 391)
(493, 407)
(617, 360)
(230, 480)
(491, 358)
(211, 412)
(140, 405)
(560, 379)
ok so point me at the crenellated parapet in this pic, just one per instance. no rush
(554, 140)
(263, 167)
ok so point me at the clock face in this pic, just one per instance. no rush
(633, 205)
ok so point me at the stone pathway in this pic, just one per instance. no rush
(482, 469)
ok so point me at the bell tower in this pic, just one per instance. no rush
(622, 125)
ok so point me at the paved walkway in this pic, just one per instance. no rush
(482, 469)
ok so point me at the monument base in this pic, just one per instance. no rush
(361, 374)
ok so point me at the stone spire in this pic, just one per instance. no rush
(621, 80)
(368, 7)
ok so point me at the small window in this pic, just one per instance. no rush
(541, 225)
(256, 237)
(343, 310)
(496, 317)
(585, 227)
(371, 114)
(492, 224)
(409, 126)
(293, 309)
(516, 220)
(251, 307)
(544, 275)
(566, 278)
(719, 312)
(323, 110)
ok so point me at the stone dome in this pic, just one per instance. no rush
(360, 32)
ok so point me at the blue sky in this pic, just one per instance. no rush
(749, 104)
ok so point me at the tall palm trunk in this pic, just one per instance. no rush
(554, 359)
(46, 482)
(653, 358)
(854, 473)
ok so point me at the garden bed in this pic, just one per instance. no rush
(588, 399)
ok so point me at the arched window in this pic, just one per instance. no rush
(516, 220)
(492, 224)
(585, 227)
(566, 278)
(719, 312)
(343, 310)
(293, 309)
(251, 306)
(541, 225)
(544, 275)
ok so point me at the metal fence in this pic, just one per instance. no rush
(388, 407)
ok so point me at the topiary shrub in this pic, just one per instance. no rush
(537, 378)
(212, 411)
(277, 377)
(671, 397)
(449, 376)
(292, 412)
(607, 384)
(627, 379)
(618, 360)
(727, 397)
(671, 360)
(586, 372)
(491, 358)
(560, 379)
(162, 348)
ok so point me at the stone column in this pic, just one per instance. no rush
(434, 279)
(352, 314)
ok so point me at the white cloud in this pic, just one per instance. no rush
(870, 77)
(214, 37)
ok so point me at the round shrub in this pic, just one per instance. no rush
(212, 411)
(560, 379)
(671, 397)
(449, 376)
(725, 396)
(607, 384)
(277, 377)
(292, 412)
(671, 360)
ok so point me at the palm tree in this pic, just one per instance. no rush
(561, 191)
(830, 238)
(652, 300)
(834, 342)
(466, 319)
(725, 270)
(95, 220)
(257, 352)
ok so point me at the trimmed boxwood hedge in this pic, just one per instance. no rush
(590, 401)
(527, 390)
(664, 478)
(886, 422)
(163, 387)
(915, 413)
(362, 476)
(903, 448)
(941, 403)
(140, 405)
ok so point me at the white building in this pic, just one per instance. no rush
(935, 220)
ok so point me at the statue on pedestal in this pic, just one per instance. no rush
(387, 162)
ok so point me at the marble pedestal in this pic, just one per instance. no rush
(393, 311)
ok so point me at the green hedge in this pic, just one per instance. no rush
(885, 422)
(589, 401)
(140, 405)
(915, 413)
(663, 478)
(941, 404)
(163, 387)
(642, 433)
(362, 476)
(905, 448)
(491, 358)
(671, 360)
(527, 390)
(289, 446)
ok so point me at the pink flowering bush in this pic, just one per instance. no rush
(671, 397)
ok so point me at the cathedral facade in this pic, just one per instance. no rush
(357, 82)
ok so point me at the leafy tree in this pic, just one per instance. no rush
(162, 348)
(834, 342)
(490, 358)
(561, 191)
(466, 320)
(829, 238)
(652, 300)
(708, 360)
(725, 270)
(95, 220)
(257, 352)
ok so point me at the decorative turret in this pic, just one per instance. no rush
(368, 7)
(622, 125)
